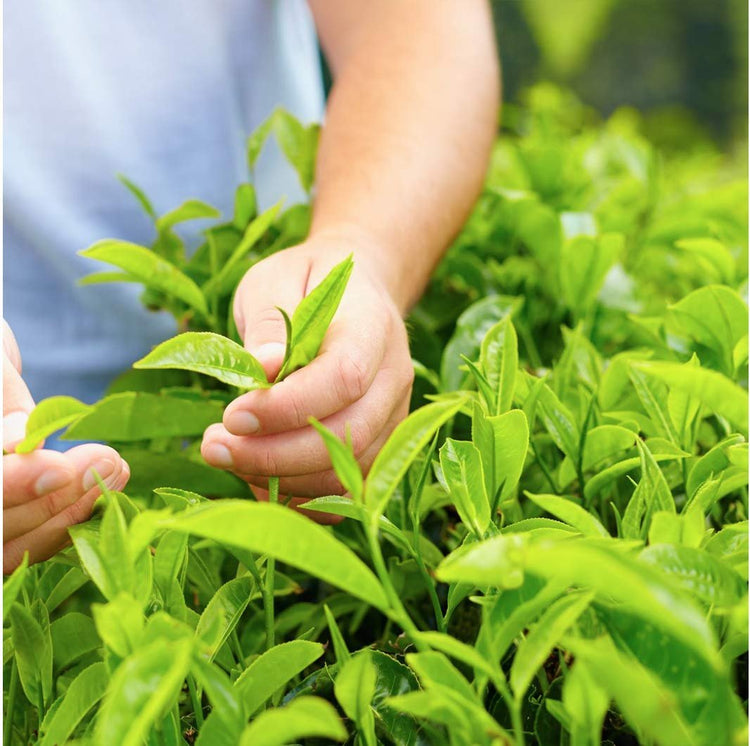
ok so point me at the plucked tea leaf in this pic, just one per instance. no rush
(312, 317)
(49, 416)
(210, 354)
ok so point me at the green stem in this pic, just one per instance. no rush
(439, 620)
(273, 497)
(9, 712)
(196, 700)
(234, 639)
(517, 720)
(543, 466)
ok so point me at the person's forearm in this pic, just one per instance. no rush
(408, 132)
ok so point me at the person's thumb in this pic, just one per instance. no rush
(261, 324)
(17, 400)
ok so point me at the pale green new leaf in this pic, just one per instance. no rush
(12, 585)
(150, 269)
(222, 613)
(191, 209)
(303, 717)
(571, 513)
(210, 354)
(344, 463)
(285, 535)
(499, 362)
(462, 469)
(312, 317)
(355, 688)
(272, 670)
(49, 416)
(33, 649)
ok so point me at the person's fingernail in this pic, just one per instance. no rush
(271, 352)
(242, 422)
(14, 428)
(103, 469)
(51, 480)
(217, 455)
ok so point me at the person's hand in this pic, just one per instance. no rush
(44, 492)
(361, 379)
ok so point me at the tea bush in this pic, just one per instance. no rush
(552, 547)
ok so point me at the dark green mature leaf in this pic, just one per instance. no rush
(82, 695)
(313, 316)
(310, 717)
(499, 362)
(406, 441)
(279, 532)
(210, 354)
(33, 649)
(462, 468)
(717, 392)
(142, 690)
(49, 416)
(272, 670)
(150, 269)
(140, 416)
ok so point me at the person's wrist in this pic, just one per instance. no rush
(371, 258)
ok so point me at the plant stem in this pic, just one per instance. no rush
(517, 720)
(196, 700)
(273, 497)
(439, 620)
(12, 691)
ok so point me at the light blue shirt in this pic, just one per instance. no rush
(163, 92)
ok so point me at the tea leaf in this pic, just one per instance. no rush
(272, 670)
(355, 689)
(298, 143)
(222, 613)
(49, 416)
(499, 361)
(568, 511)
(312, 317)
(280, 533)
(344, 463)
(210, 354)
(311, 717)
(150, 269)
(12, 585)
(33, 650)
(462, 469)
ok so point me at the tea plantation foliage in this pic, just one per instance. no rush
(551, 549)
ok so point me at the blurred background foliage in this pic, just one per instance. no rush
(681, 63)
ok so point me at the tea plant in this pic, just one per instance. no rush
(551, 548)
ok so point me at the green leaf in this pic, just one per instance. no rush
(714, 316)
(272, 670)
(150, 269)
(559, 422)
(49, 416)
(257, 140)
(33, 650)
(503, 441)
(82, 695)
(604, 442)
(715, 391)
(651, 494)
(139, 416)
(223, 281)
(344, 462)
(654, 398)
(355, 688)
(312, 317)
(13, 584)
(73, 636)
(192, 209)
(100, 278)
(223, 612)
(298, 143)
(403, 446)
(584, 262)
(139, 194)
(713, 251)
(462, 468)
(287, 536)
(570, 512)
(547, 632)
(303, 717)
(210, 354)
(119, 624)
(499, 361)
(716, 463)
(144, 687)
(340, 649)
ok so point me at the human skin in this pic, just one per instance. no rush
(44, 492)
(407, 136)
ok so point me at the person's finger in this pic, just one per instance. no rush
(17, 400)
(349, 359)
(37, 498)
(259, 322)
(302, 451)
